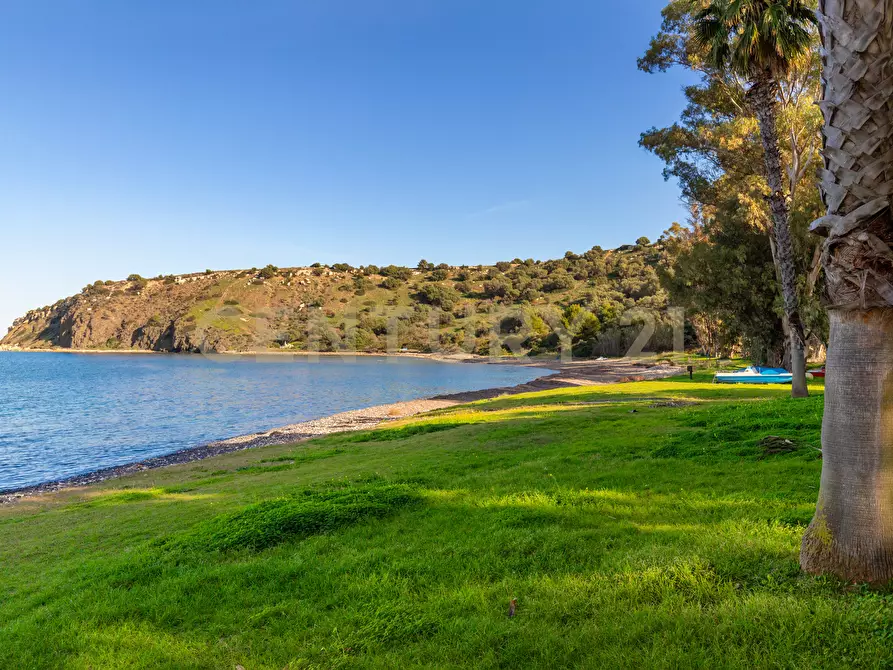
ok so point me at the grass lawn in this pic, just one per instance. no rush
(632, 531)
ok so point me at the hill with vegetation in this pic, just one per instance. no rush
(662, 537)
(582, 300)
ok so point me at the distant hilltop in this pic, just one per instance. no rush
(525, 304)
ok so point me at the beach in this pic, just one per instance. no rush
(564, 374)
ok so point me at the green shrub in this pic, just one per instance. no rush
(497, 288)
(439, 296)
(396, 271)
(269, 272)
(391, 283)
(558, 282)
(134, 277)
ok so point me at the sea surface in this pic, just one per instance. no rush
(68, 414)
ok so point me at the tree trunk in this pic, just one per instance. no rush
(851, 535)
(762, 96)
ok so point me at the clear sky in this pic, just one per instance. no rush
(171, 136)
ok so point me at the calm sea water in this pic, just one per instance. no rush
(67, 414)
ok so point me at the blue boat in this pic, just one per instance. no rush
(754, 375)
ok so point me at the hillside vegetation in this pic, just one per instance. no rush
(661, 537)
(583, 300)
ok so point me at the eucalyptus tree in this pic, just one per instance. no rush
(851, 534)
(759, 40)
(715, 153)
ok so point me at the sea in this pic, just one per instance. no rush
(65, 414)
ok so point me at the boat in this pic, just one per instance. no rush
(754, 375)
(818, 374)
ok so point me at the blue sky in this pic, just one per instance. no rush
(170, 136)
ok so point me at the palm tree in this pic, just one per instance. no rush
(851, 535)
(758, 40)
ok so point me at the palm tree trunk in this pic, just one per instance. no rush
(762, 97)
(851, 535)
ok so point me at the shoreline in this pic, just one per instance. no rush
(565, 374)
(457, 357)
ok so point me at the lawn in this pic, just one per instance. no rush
(637, 525)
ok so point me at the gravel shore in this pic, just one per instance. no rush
(582, 373)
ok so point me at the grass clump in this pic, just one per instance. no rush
(271, 522)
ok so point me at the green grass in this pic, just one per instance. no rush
(634, 532)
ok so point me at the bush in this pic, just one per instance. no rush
(463, 287)
(503, 266)
(510, 325)
(439, 296)
(134, 277)
(497, 288)
(396, 271)
(558, 282)
(391, 283)
(269, 272)
(438, 275)
(342, 267)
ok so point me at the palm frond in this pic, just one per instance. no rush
(750, 36)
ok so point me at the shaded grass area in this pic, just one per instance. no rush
(633, 534)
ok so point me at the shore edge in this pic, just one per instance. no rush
(582, 373)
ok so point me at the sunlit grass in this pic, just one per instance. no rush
(631, 532)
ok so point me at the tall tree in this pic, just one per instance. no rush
(759, 40)
(715, 153)
(851, 534)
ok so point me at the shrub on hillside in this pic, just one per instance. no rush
(396, 271)
(269, 272)
(439, 296)
(558, 282)
(497, 288)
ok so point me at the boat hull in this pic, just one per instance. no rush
(755, 379)
(755, 376)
